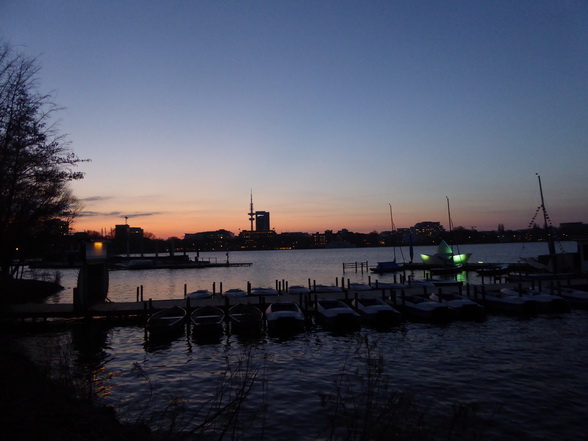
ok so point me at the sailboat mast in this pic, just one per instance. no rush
(550, 242)
(392, 231)
(449, 215)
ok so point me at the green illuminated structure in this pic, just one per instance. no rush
(445, 256)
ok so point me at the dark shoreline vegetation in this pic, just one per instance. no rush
(37, 407)
(28, 290)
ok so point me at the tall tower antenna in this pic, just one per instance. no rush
(251, 212)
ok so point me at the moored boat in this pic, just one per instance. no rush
(422, 308)
(284, 317)
(264, 292)
(166, 321)
(574, 297)
(327, 288)
(199, 294)
(376, 312)
(508, 303)
(337, 314)
(461, 307)
(235, 292)
(543, 301)
(207, 320)
(387, 267)
(298, 289)
(245, 318)
(359, 287)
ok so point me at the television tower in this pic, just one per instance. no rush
(251, 212)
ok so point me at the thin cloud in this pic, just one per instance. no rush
(96, 198)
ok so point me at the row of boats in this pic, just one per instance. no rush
(280, 317)
(365, 308)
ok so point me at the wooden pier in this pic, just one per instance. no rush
(141, 309)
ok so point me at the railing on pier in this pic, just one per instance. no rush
(357, 266)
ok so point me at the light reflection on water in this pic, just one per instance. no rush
(525, 376)
(296, 267)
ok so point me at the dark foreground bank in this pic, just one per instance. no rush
(34, 407)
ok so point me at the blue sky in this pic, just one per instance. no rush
(327, 110)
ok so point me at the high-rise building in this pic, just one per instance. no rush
(262, 221)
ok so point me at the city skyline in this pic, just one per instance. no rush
(327, 111)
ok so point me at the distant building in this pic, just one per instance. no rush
(209, 240)
(429, 229)
(128, 239)
(262, 221)
(573, 230)
(258, 240)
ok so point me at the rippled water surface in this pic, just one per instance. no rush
(524, 378)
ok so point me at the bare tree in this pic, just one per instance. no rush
(36, 164)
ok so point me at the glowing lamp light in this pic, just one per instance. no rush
(95, 251)
(460, 258)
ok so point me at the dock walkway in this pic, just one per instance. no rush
(142, 309)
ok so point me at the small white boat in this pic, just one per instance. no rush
(199, 294)
(422, 308)
(508, 303)
(544, 302)
(298, 289)
(245, 318)
(462, 307)
(387, 267)
(376, 312)
(388, 285)
(264, 292)
(574, 297)
(284, 317)
(359, 287)
(208, 321)
(166, 321)
(235, 292)
(327, 288)
(337, 314)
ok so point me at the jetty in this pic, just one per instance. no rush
(140, 309)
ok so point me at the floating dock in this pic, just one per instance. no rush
(142, 309)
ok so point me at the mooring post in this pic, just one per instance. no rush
(249, 288)
(185, 290)
(137, 293)
(141, 291)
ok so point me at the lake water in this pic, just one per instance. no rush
(515, 379)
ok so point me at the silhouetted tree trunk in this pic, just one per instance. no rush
(35, 162)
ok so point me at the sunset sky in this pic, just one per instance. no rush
(328, 111)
